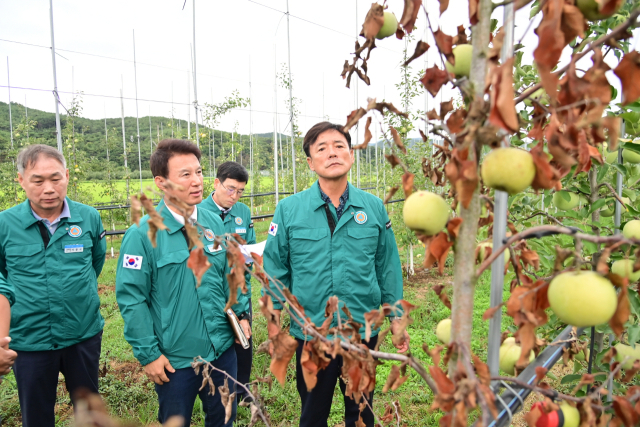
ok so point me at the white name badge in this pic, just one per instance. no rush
(212, 250)
(241, 230)
(69, 249)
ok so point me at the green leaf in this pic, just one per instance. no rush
(634, 332)
(634, 299)
(568, 379)
(597, 205)
(620, 168)
(602, 172)
(565, 196)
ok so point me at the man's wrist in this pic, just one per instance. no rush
(244, 316)
(394, 318)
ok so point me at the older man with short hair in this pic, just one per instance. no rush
(52, 251)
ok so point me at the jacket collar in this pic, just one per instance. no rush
(355, 197)
(171, 223)
(28, 219)
(213, 206)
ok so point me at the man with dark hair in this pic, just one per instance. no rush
(229, 185)
(333, 239)
(168, 320)
(51, 253)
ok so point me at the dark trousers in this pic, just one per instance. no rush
(37, 378)
(245, 360)
(316, 404)
(178, 395)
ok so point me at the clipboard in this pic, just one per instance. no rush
(237, 328)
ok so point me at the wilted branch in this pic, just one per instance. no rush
(594, 44)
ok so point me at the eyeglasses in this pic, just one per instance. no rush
(231, 191)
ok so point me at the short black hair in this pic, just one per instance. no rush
(232, 170)
(166, 149)
(312, 135)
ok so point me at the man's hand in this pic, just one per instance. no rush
(155, 370)
(7, 356)
(246, 328)
(404, 346)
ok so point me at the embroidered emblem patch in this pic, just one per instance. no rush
(208, 234)
(273, 229)
(238, 220)
(75, 231)
(360, 217)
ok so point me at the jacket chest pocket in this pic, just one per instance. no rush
(362, 240)
(173, 275)
(76, 252)
(308, 244)
(19, 258)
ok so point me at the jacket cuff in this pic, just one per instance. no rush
(10, 297)
(151, 357)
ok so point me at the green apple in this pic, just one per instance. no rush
(624, 268)
(509, 355)
(612, 157)
(389, 27)
(581, 357)
(630, 156)
(591, 11)
(481, 252)
(443, 331)
(462, 54)
(628, 354)
(582, 298)
(508, 341)
(631, 229)
(508, 169)
(570, 414)
(582, 200)
(608, 210)
(540, 95)
(425, 212)
(563, 204)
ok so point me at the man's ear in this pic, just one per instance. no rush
(310, 163)
(159, 181)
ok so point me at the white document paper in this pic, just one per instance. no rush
(257, 248)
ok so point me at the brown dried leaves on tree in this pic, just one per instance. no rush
(155, 221)
(462, 173)
(503, 107)
(373, 21)
(445, 45)
(421, 48)
(397, 140)
(433, 79)
(438, 246)
(551, 42)
(198, 263)
(409, 15)
(628, 71)
(284, 347)
(235, 278)
(367, 136)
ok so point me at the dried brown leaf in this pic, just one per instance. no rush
(198, 263)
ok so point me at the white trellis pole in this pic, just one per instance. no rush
(55, 79)
(499, 226)
(275, 124)
(10, 119)
(195, 85)
(293, 139)
(124, 140)
(135, 75)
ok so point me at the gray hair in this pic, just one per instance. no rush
(28, 156)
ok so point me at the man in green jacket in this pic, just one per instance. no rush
(168, 319)
(51, 253)
(333, 239)
(231, 179)
(7, 356)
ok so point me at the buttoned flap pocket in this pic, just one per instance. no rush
(177, 257)
(363, 233)
(24, 250)
(310, 234)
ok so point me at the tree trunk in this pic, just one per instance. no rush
(464, 267)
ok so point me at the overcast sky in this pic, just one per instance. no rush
(237, 42)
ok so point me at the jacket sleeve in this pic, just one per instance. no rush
(7, 290)
(99, 245)
(276, 255)
(133, 293)
(388, 268)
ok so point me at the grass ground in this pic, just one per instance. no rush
(131, 397)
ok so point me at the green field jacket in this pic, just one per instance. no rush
(163, 311)
(238, 220)
(56, 289)
(7, 291)
(359, 263)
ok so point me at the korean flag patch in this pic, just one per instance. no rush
(132, 261)
(273, 229)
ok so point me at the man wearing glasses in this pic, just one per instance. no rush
(229, 185)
